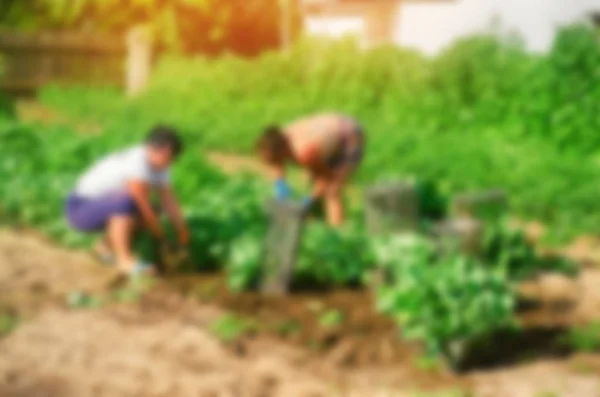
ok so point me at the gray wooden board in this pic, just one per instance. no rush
(463, 234)
(286, 220)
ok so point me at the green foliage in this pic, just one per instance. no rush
(244, 264)
(433, 204)
(288, 327)
(584, 338)
(507, 248)
(31, 197)
(331, 256)
(7, 108)
(8, 322)
(327, 257)
(441, 300)
(483, 113)
(331, 319)
(81, 300)
(229, 327)
(210, 26)
(216, 215)
(134, 290)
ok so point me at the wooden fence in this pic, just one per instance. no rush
(34, 60)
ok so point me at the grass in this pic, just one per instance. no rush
(82, 300)
(584, 338)
(428, 364)
(331, 319)
(8, 323)
(483, 113)
(288, 327)
(207, 292)
(583, 368)
(134, 290)
(230, 327)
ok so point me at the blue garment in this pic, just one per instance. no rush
(282, 190)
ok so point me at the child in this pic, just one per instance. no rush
(328, 146)
(113, 196)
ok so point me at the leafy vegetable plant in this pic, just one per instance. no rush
(441, 301)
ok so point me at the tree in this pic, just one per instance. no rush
(190, 26)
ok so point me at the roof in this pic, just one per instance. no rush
(319, 5)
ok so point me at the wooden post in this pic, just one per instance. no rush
(392, 208)
(139, 59)
(285, 24)
(464, 235)
(281, 245)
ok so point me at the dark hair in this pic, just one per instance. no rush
(162, 136)
(273, 142)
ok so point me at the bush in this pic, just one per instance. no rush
(441, 301)
(7, 108)
(483, 113)
(508, 249)
(327, 257)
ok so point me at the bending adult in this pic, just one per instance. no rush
(328, 146)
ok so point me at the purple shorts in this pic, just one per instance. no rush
(93, 214)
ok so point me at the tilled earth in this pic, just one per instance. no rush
(163, 345)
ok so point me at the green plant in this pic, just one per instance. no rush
(494, 111)
(81, 300)
(134, 290)
(8, 322)
(244, 264)
(229, 327)
(7, 108)
(584, 338)
(441, 301)
(331, 319)
(428, 363)
(433, 204)
(583, 367)
(508, 249)
(288, 327)
(329, 256)
(175, 24)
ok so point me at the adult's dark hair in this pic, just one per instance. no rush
(162, 136)
(273, 142)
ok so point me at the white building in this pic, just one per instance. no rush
(430, 25)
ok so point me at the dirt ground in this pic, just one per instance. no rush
(163, 345)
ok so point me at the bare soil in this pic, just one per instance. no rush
(163, 345)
